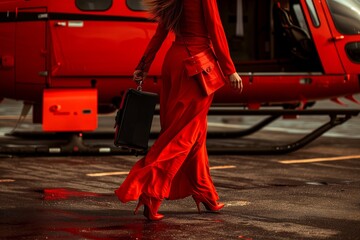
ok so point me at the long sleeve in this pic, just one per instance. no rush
(152, 48)
(218, 37)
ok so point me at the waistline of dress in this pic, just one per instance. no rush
(192, 40)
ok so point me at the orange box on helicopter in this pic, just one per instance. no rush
(69, 110)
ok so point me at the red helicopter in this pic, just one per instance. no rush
(72, 60)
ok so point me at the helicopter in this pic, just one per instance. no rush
(73, 60)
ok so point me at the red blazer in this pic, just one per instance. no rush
(200, 19)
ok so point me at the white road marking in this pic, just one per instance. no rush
(314, 160)
(222, 167)
(6, 180)
(106, 174)
(103, 174)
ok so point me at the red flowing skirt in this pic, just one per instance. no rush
(176, 166)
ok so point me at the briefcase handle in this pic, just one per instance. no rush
(139, 83)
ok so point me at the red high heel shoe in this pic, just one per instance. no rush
(209, 205)
(151, 206)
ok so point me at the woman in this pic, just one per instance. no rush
(177, 165)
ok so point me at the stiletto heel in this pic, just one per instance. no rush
(209, 205)
(151, 206)
(197, 204)
(140, 203)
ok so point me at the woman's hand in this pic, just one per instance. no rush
(236, 82)
(139, 76)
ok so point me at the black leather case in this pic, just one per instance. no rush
(134, 119)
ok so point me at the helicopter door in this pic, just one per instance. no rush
(344, 21)
(30, 45)
(321, 32)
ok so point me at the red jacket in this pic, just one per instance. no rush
(200, 19)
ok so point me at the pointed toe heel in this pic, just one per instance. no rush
(151, 206)
(212, 206)
(140, 203)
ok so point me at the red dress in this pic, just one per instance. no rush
(177, 166)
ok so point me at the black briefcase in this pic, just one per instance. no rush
(133, 120)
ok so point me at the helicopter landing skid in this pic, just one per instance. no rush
(337, 117)
(76, 146)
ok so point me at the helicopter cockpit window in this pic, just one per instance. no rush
(136, 5)
(346, 15)
(313, 13)
(300, 17)
(353, 51)
(93, 5)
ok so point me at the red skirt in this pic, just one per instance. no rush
(176, 166)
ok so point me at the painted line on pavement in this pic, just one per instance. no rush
(222, 167)
(314, 160)
(125, 173)
(106, 174)
(6, 180)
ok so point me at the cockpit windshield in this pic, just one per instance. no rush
(93, 5)
(346, 15)
(136, 5)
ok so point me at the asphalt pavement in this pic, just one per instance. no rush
(312, 193)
